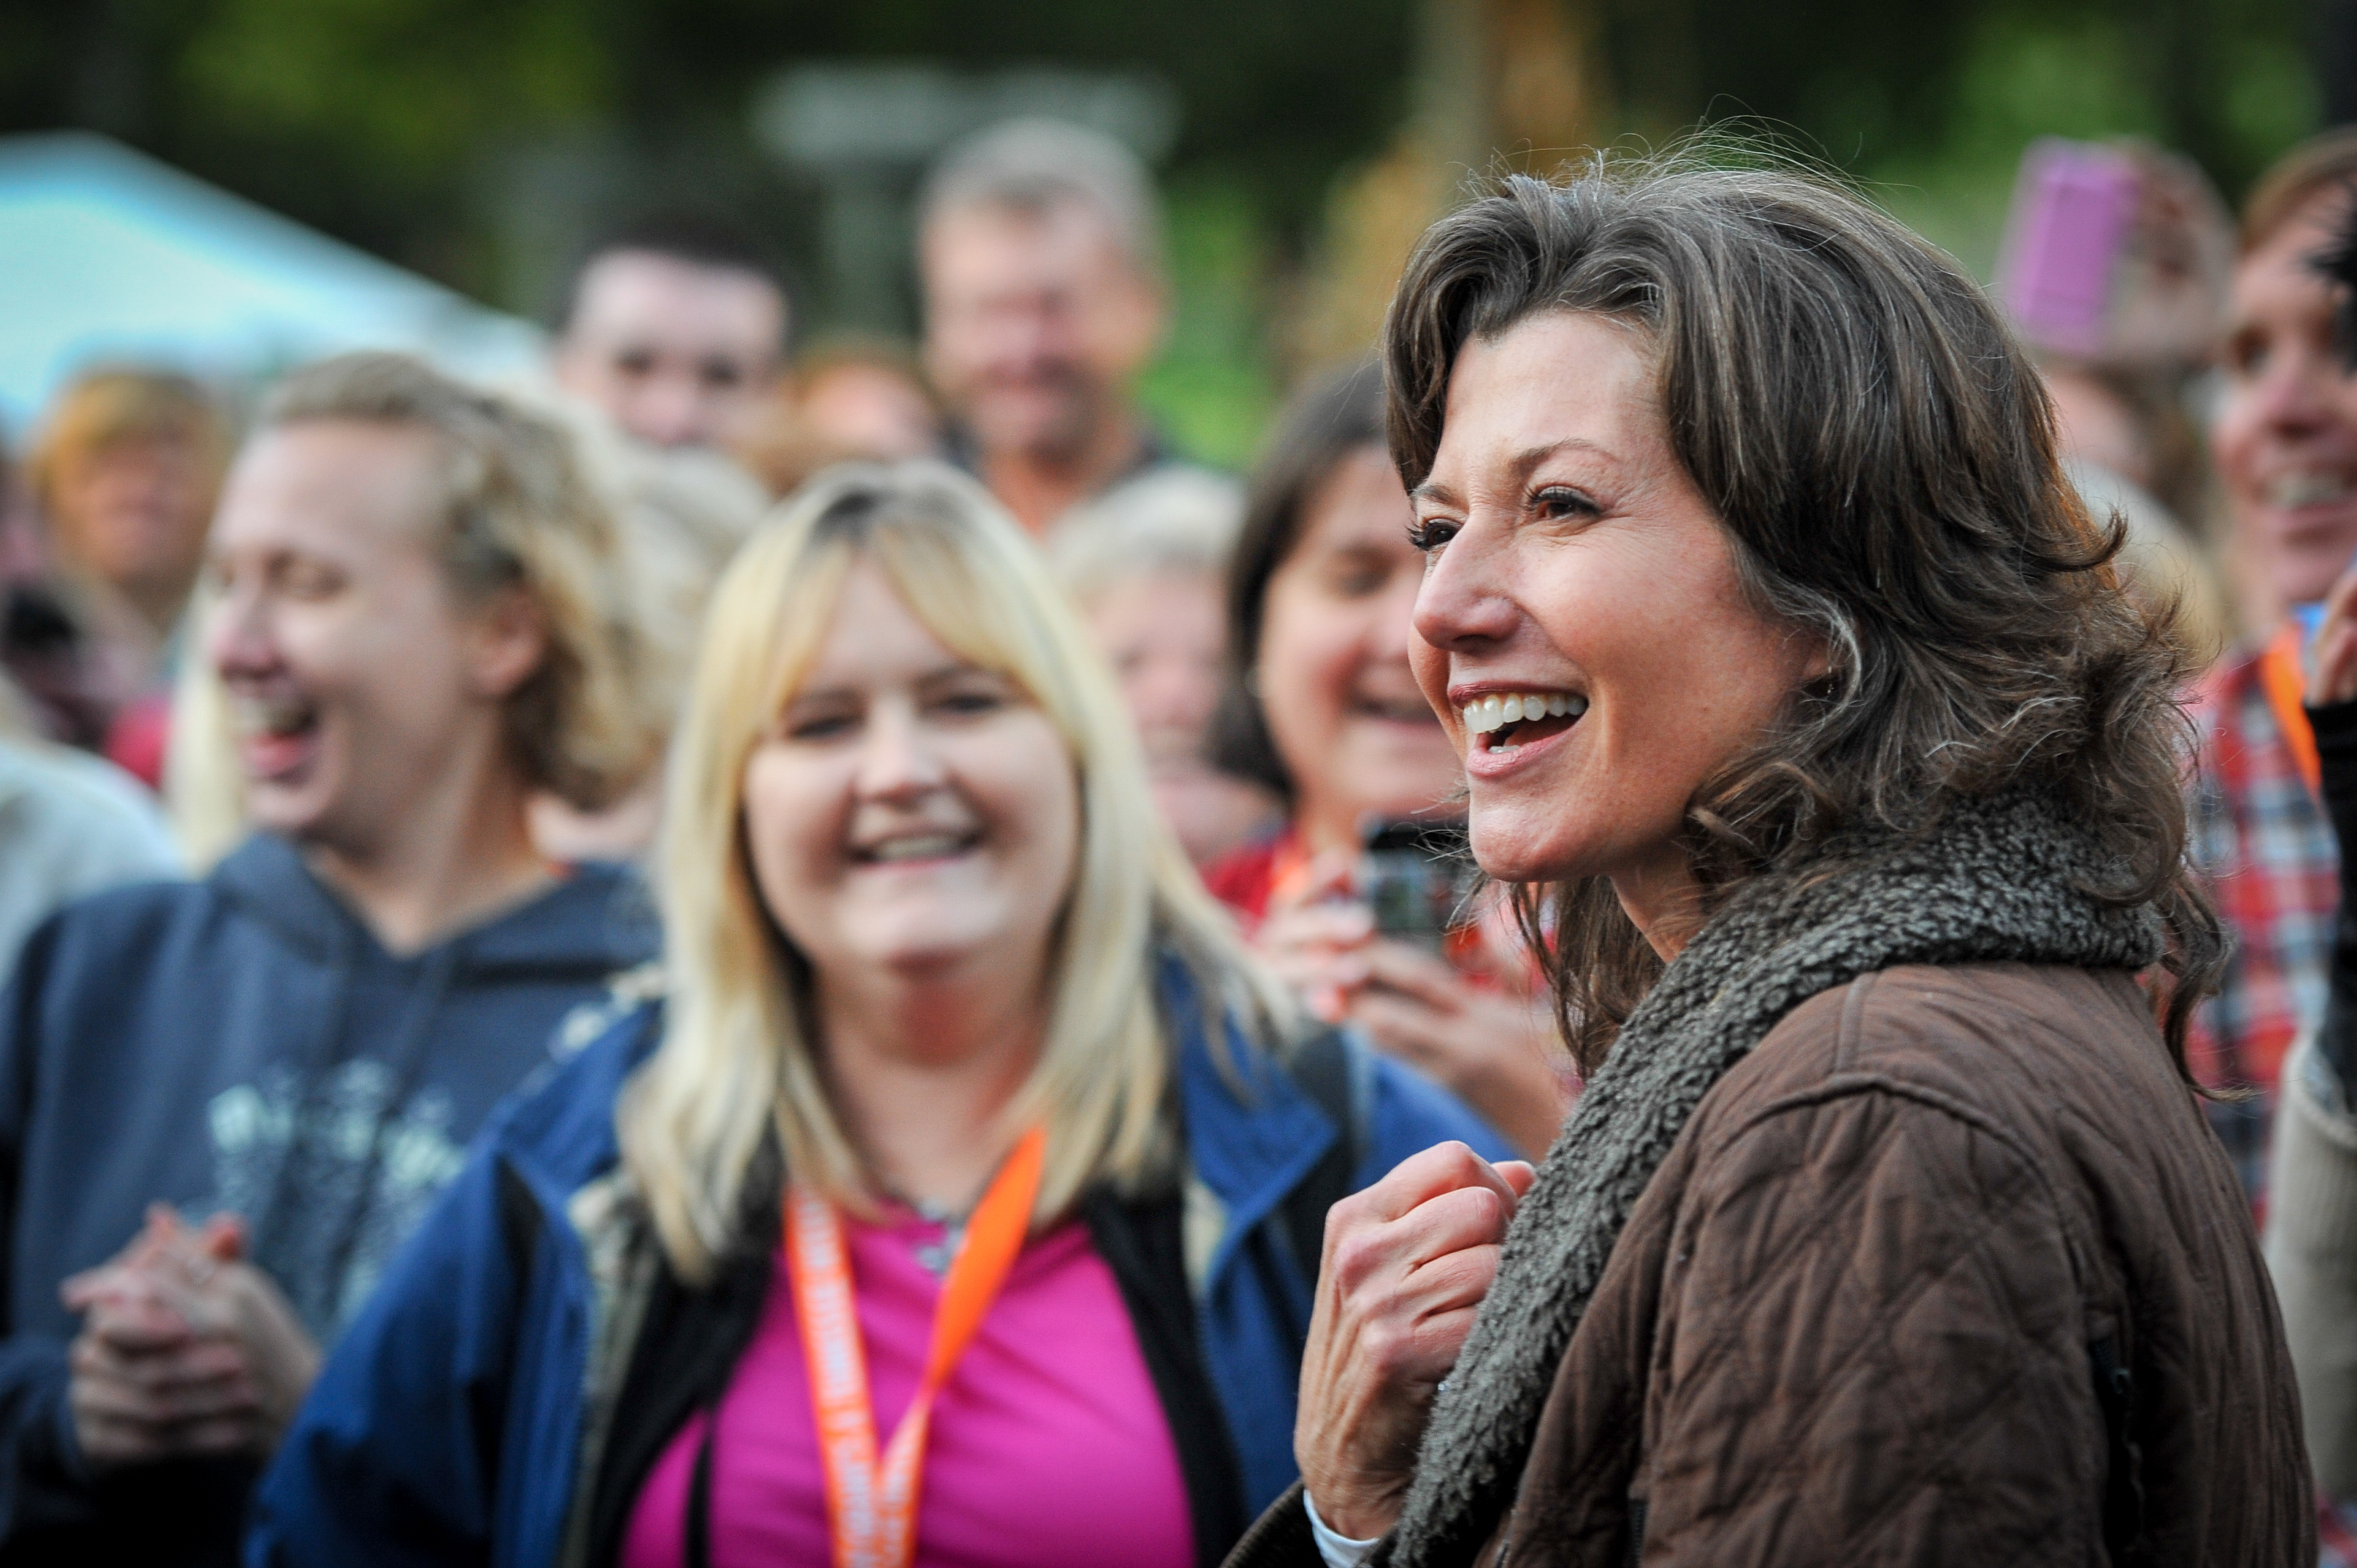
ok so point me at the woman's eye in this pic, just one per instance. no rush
(817, 726)
(305, 581)
(1428, 534)
(968, 704)
(1558, 500)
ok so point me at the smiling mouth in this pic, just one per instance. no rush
(273, 732)
(2313, 487)
(903, 849)
(1499, 723)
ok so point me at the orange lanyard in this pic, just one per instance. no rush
(872, 1511)
(1289, 865)
(2281, 678)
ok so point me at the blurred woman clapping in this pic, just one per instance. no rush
(960, 1203)
(227, 1102)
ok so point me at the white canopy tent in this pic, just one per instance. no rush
(107, 255)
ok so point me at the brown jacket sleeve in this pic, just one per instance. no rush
(1872, 1347)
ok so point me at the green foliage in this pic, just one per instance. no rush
(1212, 387)
(406, 88)
(2271, 99)
(2089, 75)
(398, 124)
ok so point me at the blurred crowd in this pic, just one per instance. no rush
(396, 745)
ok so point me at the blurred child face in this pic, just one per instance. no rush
(133, 512)
(354, 680)
(909, 813)
(1351, 725)
(871, 410)
(1164, 634)
(2286, 431)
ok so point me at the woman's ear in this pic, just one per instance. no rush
(507, 641)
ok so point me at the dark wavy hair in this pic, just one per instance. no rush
(1882, 457)
(1325, 423)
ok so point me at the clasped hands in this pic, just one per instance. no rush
(186, 1348)
(1406, 1263)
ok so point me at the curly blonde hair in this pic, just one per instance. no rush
(517, 513)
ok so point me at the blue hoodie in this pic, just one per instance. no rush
(243, 1043)
(450, 1424)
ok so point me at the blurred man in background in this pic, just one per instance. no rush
(1041, 249)
(676, 328)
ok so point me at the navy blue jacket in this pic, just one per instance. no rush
(244, 1044)
(449, 1425)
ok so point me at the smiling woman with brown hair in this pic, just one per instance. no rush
(1789, 675)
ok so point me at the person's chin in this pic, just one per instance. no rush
(924, 952)
(292, 812)
(2314, 555)
(1020, 420)
(1518, 851)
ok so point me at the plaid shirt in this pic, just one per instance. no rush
(2268, 848)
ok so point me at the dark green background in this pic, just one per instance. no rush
(409, 126)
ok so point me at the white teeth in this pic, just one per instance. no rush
(921, 846)
(269, 716)
(1487, 714)
(2307, 489)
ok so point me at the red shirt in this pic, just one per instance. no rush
(1244, 878)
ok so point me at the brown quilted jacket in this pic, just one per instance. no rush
(1949, 1270)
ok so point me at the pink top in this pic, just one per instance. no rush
(1048, 1445)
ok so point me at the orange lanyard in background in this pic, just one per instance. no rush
(872, 1509)
(2285, 682)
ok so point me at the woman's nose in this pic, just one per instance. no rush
(1463, 600)
(2296, 392)
(238, 635)
(897, 757)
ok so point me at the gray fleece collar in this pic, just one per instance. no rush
(1995, 881)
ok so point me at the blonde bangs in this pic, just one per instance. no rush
(735, 1060)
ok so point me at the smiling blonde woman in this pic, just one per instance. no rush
(964, 1098)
